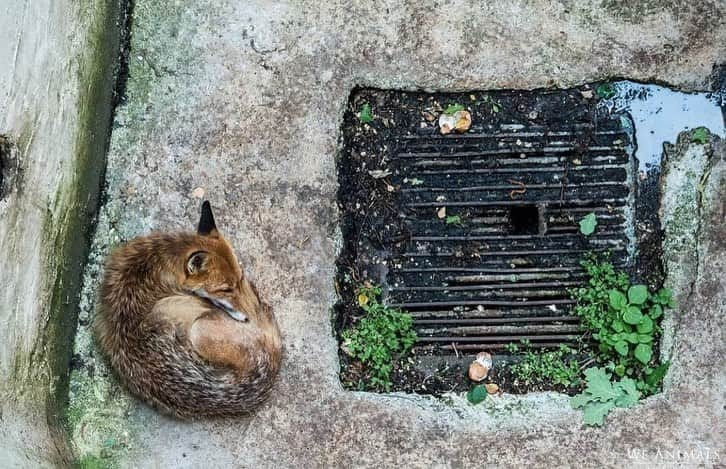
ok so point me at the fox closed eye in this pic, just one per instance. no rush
(196, 262)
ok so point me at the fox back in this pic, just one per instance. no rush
(183, 327)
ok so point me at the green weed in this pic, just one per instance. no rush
(623, 319)
(452, 109)
(365, 115)
(605, 91)
(455, 220)
(602, 394)
(381, 336)
(700, 135)
(558, 366)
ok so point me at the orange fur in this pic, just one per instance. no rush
(176, 350)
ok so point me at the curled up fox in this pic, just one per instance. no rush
(183, 327)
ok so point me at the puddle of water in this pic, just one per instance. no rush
(660, 114)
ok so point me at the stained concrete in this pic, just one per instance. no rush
(56, 82)
(244, 100)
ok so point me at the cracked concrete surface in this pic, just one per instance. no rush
(244, 100)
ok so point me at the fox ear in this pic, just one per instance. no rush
(207, 227)
(197, 263)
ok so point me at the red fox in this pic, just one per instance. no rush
(183, 327)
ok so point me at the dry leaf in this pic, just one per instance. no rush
(463, 121)
(492, 388)
(441, 213)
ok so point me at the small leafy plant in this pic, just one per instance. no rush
(455, 220)
(493, 104)
(452, 109)
(623, 319)
(700, 135)
(588, 224)
(382, 335)
(605, 90)
(556, 366)
(602, 395)
(365, 115)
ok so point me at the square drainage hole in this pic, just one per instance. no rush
(524, 220)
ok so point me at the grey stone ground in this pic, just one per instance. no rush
(244, 99)
(56, 81)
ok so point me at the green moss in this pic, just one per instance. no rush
(68, 227)
(635, 12)
(162, 45)
(682, 223)
(97, 416)
(94, 462)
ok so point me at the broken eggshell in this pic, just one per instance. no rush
(460, 121)
(479, 368)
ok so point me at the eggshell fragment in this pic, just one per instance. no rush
(460, 121)
(479, 368)
(477, 371)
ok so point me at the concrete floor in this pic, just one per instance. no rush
(244, 100)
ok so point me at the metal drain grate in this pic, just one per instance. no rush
(496, 266)
(498, 271)
(476, 235)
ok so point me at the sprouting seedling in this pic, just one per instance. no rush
(495, 106)
(365, 114)
(451, 109)
(588, 224)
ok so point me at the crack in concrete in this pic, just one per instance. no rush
(703, 181)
